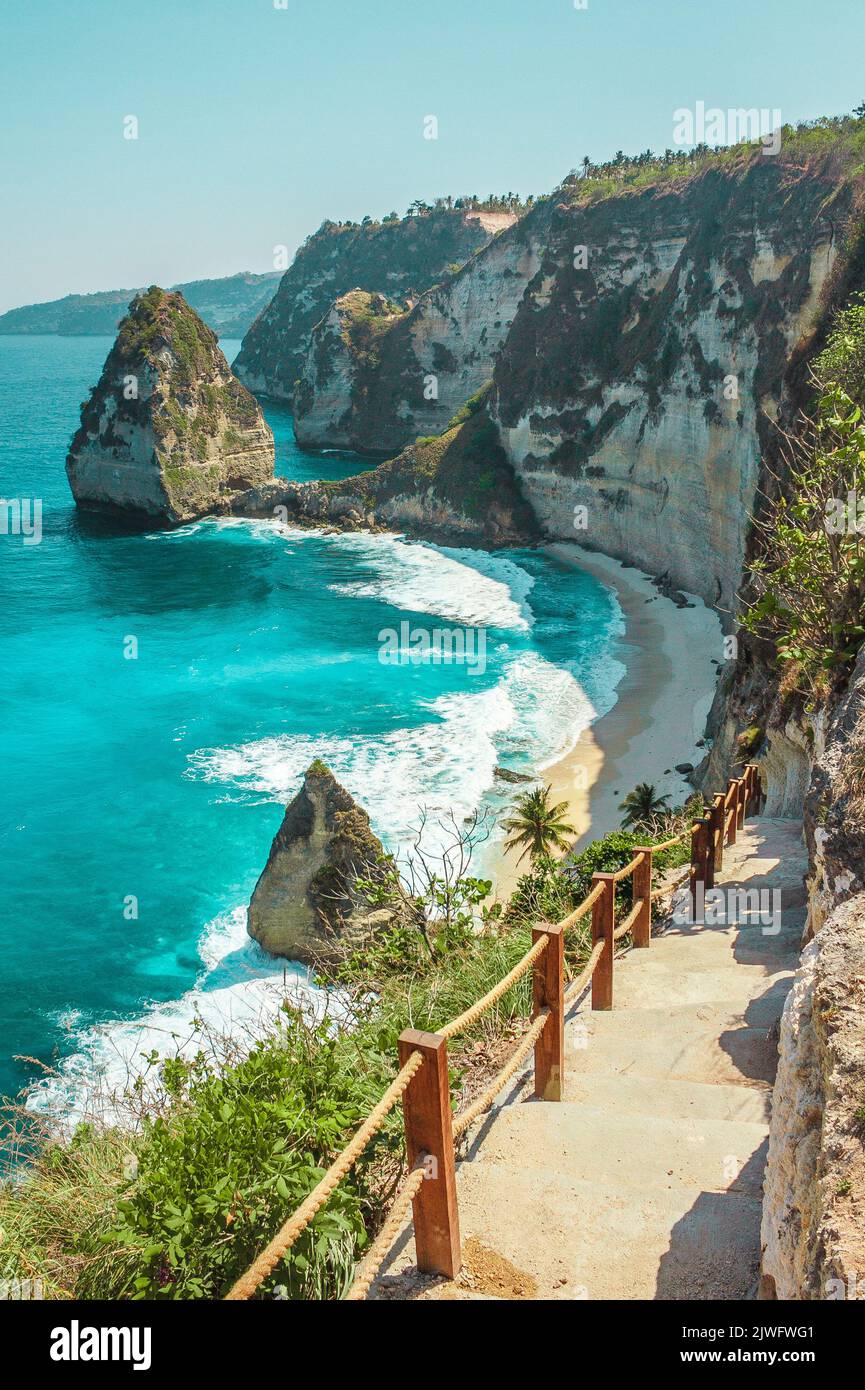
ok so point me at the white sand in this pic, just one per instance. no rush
(660, 712)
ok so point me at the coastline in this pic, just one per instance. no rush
(662, 703)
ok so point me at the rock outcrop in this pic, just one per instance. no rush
(455, 485)
(305, 903)
(376, 383)
(813, 1230)
(814, 1204)
(343, 348)
(638, 338)
(398, 258)
(168, 432)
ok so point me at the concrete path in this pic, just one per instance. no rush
(645, 1182)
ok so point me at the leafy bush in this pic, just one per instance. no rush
(235, 1151)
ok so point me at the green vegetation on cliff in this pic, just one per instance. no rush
(218, 1152)
(808, 576)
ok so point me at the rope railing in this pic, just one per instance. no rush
(422, 1082)
(471, 1016)
(627, 922)
(466, 1119)
(584, 978)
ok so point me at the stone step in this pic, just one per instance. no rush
(579, 1238)
(630, 1150)
(700, 1042)
(673, 1098)
(653, 978)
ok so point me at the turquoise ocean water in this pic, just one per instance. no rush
(140, 796)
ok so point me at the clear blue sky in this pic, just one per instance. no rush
(256, 122)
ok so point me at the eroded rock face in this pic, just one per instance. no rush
(337, 364)
(644, 355)
(305, 902)
(813, 1230)
(168, 432)
(380, 390)
(399, 259)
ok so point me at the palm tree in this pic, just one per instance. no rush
(642, 804)
(536, 824)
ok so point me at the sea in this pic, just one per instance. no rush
(163, 692)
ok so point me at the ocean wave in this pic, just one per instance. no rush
(238, 996)
(469, 587)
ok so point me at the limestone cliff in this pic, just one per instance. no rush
(380, 393)
(168, 432)
(648, 354)
(305, 900)
(638, 337)
(399, 258)
(814, 1203)
(343, 348)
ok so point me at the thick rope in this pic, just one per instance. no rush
(465, 1020)
(668, 844)
(375, 1256)
(627, 870)
(627, 922)
(585, 976)
(583, 907)
(288, 1233)
(483, 1102)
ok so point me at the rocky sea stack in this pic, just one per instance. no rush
(305, 901)
(169, 432)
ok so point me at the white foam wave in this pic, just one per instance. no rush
(464, 586)
(238, 995)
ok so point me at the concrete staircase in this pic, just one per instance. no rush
(645, 1182)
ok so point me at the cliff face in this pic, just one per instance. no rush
(168, 432)
(304, 901)
(397, 259)
(339, 360)
(814, 1203)
(425, 363)
(638, 341)
(647, 353)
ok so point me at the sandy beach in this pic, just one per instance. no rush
(660, 711)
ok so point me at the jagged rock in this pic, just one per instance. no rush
(614, 388)
(813, 1230)
(343, 347)
(376, 378)
(168, 432)
(399, 258)
(506, 775)
(684, 768)
(305, 902)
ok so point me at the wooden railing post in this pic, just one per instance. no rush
(548, 992)
(603, 925)
(732, 793)
(429, 1135)
(718, 815)
(700, 850)
(641, 932)
(741, 802)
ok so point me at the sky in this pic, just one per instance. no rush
(259, 118)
